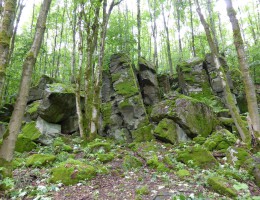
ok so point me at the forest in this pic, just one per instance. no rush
(129, 99)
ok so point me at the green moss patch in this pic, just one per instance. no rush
(71, 172)
(38, 160)
(105, 157)
(23, 144)
(222, 186)
(126, 88)
(237, 156)
(143, 134)
(131, 162)
(197, 156)
(33, 108)
(30, 131)
(96, 147)
(166, 131)
(183, 173)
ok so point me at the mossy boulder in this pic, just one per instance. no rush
(96, 147)
(199, 140)
(24, 144)
(31, 112)
(38, 160)
(155, 163)
(30, 131)
(197, 156)
(143, 134)
(237, 156)
(193, 116)
(71, 172)
(220, 140)
(183, 173)
(131, 162)
(105, 157)
(222, 186)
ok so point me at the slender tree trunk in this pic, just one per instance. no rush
(139, 29)
(33, 13)
(248, 83)
(230, 103)
(167, 42)
(8, 145)
(6, 32)
(177, 7)
(73, 52)
(1, 9)
(55, 45)
(20, 10)
(192, 31)
(212, 23)
(252, 27)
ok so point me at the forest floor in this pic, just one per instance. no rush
(120, 178)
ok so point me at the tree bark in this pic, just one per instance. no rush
(10, 137)
(244, 67)
(73, 52)
(177, 7)
(139, 29)
(230, 103)
(6, 32)
(167, 42)
(192, 31)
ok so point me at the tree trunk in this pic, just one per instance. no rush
(73, 52)
(177, 6)
(6, 32)
(167, 42)
(139, 29)
(230, 103)
(244, 67)
(53, 74)
(192, 31)
(8, 145)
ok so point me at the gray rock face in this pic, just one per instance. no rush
(194, 117)
(70, 125)
(58, 103)
(148, 82)
(122, 109)
(36, 93)
(192, 77)
(164, 83)
(48, 131)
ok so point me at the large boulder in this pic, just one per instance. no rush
(194, 117)
(169, 131)
(36, 92)
(70, 125)
(122, 109)
(164, 83)
(148, 82)
(193, 78)
(58, 103)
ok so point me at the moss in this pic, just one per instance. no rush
(143, 134)
(71, 172)
(183, 173)
(127, 88)
(237, 156)
(38, 160)
(106, 110)
(124, 104)
(166, 131)
(156, 164)
(33, 108)
(30, 131)
(219, 140)
(99, 146)
(222, 186)
(198, 155)
(199, 139)
(143, 190)
(116, 77)
(60, 88)
(59, 143)
(24, 144)
(131, 162)
(104, 158)
(5, 168)
(18, 162)
(226, 121)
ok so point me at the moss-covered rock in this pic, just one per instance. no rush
(193, 116)
(24, 144)
(126, 88)
(155, 163)
(252, 165)
(183, 173)
(143, 134)
(199, 140)
(71, 172)
(222, 186)
(31, 112)
(30, 131)
(105, 157)
(237, 156)
(166, 131)
(220, 140)
(99, 147)
(131, 162)
(197, 156)
(38, 160)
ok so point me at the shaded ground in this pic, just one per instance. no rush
(115, 182)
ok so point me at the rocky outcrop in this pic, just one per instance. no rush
(192, 77)
(148, 82)
(194, 117)
(123, 111)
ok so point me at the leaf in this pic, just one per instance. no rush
(241, 186)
